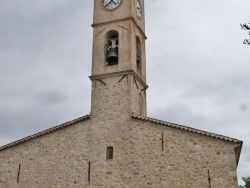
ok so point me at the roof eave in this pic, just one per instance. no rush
(45, 132)
(186, 128)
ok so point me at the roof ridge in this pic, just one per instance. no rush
(47, 131)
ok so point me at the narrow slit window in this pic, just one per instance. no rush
(110, 153)
(89, 172)
(18, 173)
(162, 142)
(209, 178)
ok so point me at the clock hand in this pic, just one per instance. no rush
(113, 2)
(108, 3)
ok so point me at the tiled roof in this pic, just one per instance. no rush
(205, 133)
(67, 124)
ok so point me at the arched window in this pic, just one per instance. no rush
(109, 153)
(112, 48)
(138, 54)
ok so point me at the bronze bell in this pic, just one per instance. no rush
(112, 56)
(112, 52)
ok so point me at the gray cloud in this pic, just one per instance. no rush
(51, 97)
(44, 67)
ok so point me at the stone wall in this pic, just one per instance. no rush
(61, 159)
(146, 154)
(183, 159)
(58, 159)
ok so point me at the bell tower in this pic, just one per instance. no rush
(118, 60)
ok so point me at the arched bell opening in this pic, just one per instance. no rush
(138, 54)
(112, 48)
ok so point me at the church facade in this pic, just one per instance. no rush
(117, 145)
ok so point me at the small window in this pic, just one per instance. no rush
(110, 153)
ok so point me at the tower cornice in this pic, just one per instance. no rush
(121, 73)
(121, 20)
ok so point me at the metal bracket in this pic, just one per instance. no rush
(123, 78)
(123, 27)
(144, 89)
(135, 82)
(100, 32)
(102, 82)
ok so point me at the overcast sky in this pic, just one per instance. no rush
(198, 69)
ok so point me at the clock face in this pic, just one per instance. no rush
(111, 4)
(138, 8)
